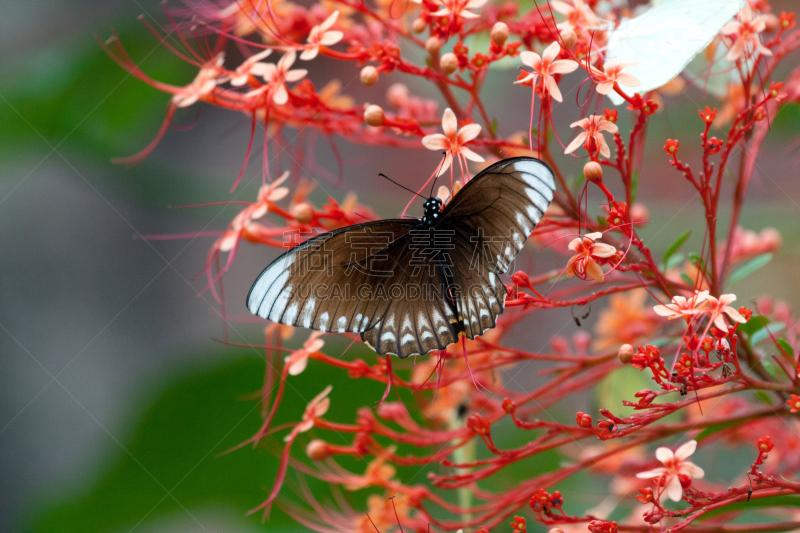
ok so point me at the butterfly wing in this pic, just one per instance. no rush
(318, 284)
(665, 38)
(491, 218)
(377, 278)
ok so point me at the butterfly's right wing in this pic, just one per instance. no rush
(491, 218)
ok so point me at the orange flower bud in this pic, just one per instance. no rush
(500, 33)
(593, 171)
(373, 115)
(302, 212)
(317, 450)
(433, 45)
(569, 37)
(625, 353)
(369, 75)
(448, 63)
(418, 25)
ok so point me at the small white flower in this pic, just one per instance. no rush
(675, 465)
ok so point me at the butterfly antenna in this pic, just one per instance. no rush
(436, 177)
(399, 185)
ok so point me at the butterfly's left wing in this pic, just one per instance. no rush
(491, 218)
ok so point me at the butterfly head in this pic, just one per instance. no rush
(433, 211)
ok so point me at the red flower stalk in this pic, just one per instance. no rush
(478, 444)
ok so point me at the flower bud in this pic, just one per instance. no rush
(317, 450)
(302, 212)
(771, 22)
(418, 25)
(397, 95)
(556, 530)
(373, 115)
(500, 33)
(433, 45)
(448, 63)
(639, 213)
(583, 420)
(569, 37)
(593, 171)
(521, 279)
(625, 353)
(369, 75)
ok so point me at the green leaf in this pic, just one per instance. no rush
(754, 324)
(674, 261)
(621, 385)
(761, 334)
(749, 267)
(786, 347)
(675, 246)
(764, 397)
(716, 428)
(686, 279)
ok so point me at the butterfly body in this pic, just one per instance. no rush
(410, 286)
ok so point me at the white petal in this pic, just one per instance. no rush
(685, 450)
(664, 454)
(449, 123)
(674, 489)
(692, 470)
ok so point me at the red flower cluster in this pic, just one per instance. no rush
(257, 59)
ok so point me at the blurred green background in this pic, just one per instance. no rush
(116, 400)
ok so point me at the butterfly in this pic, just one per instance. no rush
(410, 286)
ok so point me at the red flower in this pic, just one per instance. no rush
(765, 443)
(518, 524)
(672, 147)
(786, 20)
(714, 145)
(794, 403)
(708, 115)
(645, 496)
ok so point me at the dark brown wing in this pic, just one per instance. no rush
(379, 279)
(492, 217)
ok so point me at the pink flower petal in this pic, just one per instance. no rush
(309, 53)
(600, 249)
(628, 80)
(605, 87)
(651, 474)
(664, 455)
(594, 271)
(674, 490)
(472, 156)
(563, 66)
(281, 96)
(468, 132)
(685, 450)
(552, 89)
(605, 151)
(576, 143)
(331, 37)
(530, 59)
(297, 74)
(449, 123)
(551, 52)
(436, 141)
(692, 470)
